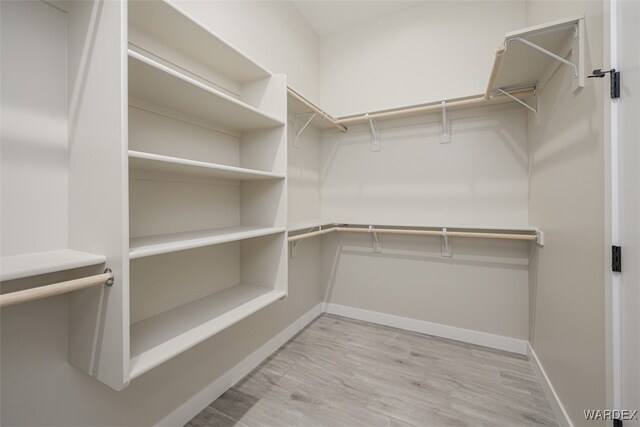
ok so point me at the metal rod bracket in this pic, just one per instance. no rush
(375, 135)
(445, 246)
(445, 134)
(111, 279)
(376, 241)
(299, 129)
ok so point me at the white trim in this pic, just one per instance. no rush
(616, 279)
(485, 339)
(192, 407)
(558, 408)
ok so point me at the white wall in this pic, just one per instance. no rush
(567, 201)
(433, 51)
(479, 178)
(273, 33)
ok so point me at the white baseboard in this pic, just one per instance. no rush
(185, 412)
(561, 414)
(485, 339)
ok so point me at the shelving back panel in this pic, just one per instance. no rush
(34, 128)
(163, 282)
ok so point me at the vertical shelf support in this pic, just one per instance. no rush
(299, 129)
(375, 136)
(445, 246)
(376, 241)
(445, 134)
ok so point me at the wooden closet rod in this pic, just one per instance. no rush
(56, 289)
(419, 232)
(484, 235)
(316, 110)
(433, 106)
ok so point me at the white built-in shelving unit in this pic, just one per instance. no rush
(207, 168)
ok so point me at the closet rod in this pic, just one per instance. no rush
(316, 110)
(311, 234)
(435, 106)
(56, 289)
(419, 232)
(414, 232)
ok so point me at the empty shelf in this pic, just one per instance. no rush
(161, 337)
(158, 84)
(159, 163)
(164, 243)
(518, 63)
(18, 266)
(167, 23)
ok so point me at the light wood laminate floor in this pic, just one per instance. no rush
(343, 372)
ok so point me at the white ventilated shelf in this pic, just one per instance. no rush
(161, 337)
(32, 264)
(161, 85)
(166, 23)
(140, 247)
(521, 64)
(166, 164)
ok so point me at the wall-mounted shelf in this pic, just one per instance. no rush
(527, 55)
(161, 337)
(167, 164)
(159, 84)
(26, 265)
(140, 247)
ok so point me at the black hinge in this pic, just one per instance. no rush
(617, 422)
(615, 80)
(616, 258)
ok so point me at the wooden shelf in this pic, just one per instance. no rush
(26, 265)
(161, 85)
(518, 64)
(140, 247)
(161, 337)
(158, 163)
(166, 23)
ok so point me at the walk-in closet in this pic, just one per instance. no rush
(319, 213)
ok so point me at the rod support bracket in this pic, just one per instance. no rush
(111, 279)
(445, 134)
(445, 246)
(375, 135)
(376, 241)
(298, 128)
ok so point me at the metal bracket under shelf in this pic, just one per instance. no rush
(298, 127)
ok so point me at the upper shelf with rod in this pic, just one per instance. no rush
(531, 55)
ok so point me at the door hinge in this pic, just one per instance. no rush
(617, 422)
(615, 80)
(616, 258)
